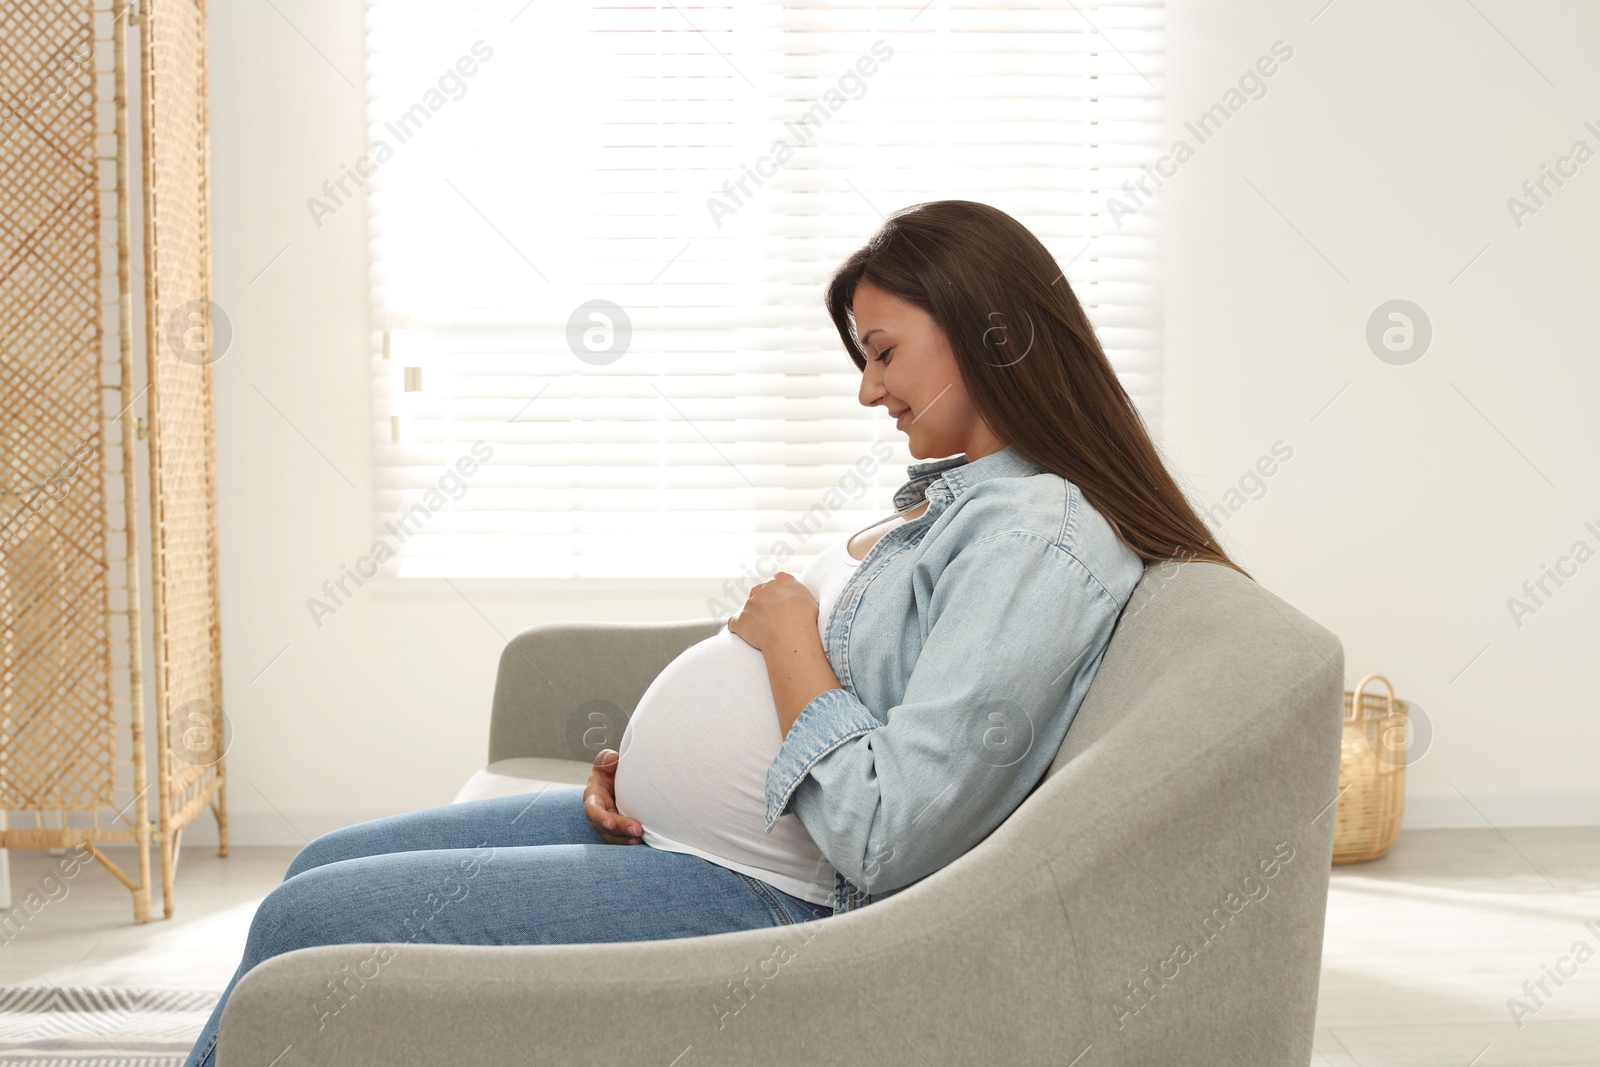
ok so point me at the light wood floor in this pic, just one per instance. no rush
(1423, 947)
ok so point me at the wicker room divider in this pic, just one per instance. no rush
(72, 676)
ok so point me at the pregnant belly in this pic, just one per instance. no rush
(693, 767)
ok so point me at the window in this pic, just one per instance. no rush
(594, 356)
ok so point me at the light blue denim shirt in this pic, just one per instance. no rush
(964, 643)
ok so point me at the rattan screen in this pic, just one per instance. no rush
(71, 685)
(63, 526)
(183, 343)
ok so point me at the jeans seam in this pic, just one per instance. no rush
(772, 903)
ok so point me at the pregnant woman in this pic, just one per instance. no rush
(854, 728)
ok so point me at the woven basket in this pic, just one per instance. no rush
(1372, 774)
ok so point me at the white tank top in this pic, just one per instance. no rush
(694, 757)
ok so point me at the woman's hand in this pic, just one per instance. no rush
(777, 610)
(600, 805)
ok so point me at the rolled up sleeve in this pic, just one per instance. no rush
(1016, 629)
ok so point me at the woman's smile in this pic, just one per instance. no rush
(904, 351)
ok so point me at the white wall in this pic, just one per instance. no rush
(385, 706)
(1425, 495)
(1403, 521)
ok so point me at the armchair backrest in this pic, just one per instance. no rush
(1188, 817)
(565, 690)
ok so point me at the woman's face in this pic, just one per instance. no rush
(911, 372)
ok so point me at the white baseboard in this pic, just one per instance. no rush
(1500, 808)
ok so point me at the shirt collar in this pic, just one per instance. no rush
(958, 474)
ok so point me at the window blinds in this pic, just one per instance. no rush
(600, 235)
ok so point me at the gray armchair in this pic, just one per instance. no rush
(1157, 899)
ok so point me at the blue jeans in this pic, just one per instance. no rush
(517, 870)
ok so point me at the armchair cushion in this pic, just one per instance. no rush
(526, 774)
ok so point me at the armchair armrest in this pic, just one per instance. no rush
(851, 988)
(560, 683)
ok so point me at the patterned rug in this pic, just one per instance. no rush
(46, 1026)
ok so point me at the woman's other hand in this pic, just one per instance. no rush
(775, 611)
(600, 805)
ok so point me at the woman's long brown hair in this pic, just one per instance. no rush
(1031, 363)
